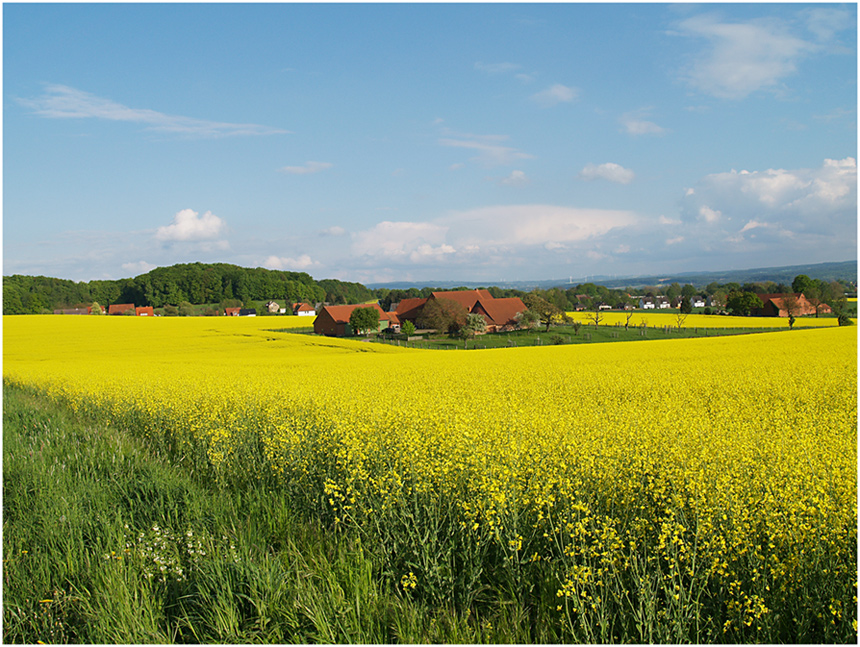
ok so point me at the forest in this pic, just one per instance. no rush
(195, 283)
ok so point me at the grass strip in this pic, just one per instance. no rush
(104, 541)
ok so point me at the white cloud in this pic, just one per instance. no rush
(399, 240)
(63, 102)
(797, 211)
(188, 227)
(530, 224)
(634, 125)
(333, 231)
(494, 235)
(140, 267)
(303, 262)
(307, 168)
(516, 178)
(709, 215)
(491, 151)
(742, 57)
(608, 171)
(555, 94)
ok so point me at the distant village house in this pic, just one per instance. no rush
(777, 305)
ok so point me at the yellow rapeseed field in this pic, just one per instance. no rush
(658, 491)
(659, 319)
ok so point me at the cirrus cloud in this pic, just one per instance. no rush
(741, 57)
(64, 102)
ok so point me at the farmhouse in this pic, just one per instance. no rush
(232, 312)
(777, 305)
(334, 320)
(144, 311)
(302, 309)
(273, 307)
(120, 308)
(500, 314)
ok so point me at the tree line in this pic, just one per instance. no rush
(231, 285)
(188, 283)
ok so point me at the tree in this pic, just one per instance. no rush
(548, 313)
(802, 284)
(475, 325)
(596, 317)
(741, 303)
(12, 300)
(686, 305)
(96, 309)
(408, 328)
(363, 320)
(527, 319)
(680, 318)
(840, 309)
(443, 315)
(792, 307)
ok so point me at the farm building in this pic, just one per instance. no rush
(301, 309)
(499, 313)
(776, 305)
(120, 308)
(144, 311)
(334, 320)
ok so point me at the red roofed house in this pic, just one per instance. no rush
(144, 311)
(120, 308)
(303, 310)
(774, 306)
(232, 312)
(334, 320)
(499, 313)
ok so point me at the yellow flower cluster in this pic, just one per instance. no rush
(704, 484)
(660, 319)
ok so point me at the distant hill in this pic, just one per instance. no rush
(845, 271)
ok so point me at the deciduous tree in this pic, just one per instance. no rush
(363, 320)
(741, 303)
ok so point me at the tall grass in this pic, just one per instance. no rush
(104, 541)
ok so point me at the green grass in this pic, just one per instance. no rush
(106, 541)
(563, 334)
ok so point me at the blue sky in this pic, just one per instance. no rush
(480, 142)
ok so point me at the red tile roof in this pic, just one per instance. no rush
(119, 308)
(501, 312)
(409, 308)
(340, 314)
(466, 298)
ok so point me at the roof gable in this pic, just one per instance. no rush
(341, 314)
